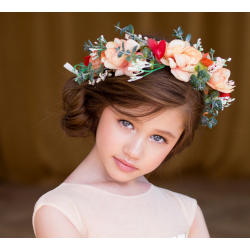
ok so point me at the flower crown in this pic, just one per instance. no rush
(138, 56)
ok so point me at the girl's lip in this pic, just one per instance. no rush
(126, 163)
(124, 167)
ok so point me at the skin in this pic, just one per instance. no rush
(122, 137)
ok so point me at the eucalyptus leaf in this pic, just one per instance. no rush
(90, 43)
(90, 66)
(134, 49)
(131, 29)
(188, 37)
(119, 54)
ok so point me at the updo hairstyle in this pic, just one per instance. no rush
(83, 103)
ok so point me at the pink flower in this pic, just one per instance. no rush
(182, 58)
(125, 71)
(219, 81)
(112, 61)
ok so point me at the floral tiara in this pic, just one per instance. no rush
(137, 56)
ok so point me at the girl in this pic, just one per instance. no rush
(137, 126)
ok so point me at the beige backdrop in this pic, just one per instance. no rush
(34, 48)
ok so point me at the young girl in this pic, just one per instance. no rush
(138, 123)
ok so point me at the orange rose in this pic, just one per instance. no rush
(219, 81)
(182, 58)
(111, 60)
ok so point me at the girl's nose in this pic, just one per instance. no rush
(134, 147)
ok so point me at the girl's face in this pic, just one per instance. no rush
(144, 144)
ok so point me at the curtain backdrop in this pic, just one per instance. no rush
(34, 48)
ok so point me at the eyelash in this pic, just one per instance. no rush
(121, 122)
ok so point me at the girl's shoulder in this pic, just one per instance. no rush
(60, 199)
(187, 204)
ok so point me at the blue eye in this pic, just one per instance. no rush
(159, 138)
(126, 124)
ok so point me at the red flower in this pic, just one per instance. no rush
(224, 94)
(86, 60)
(157, 49)
(207, 62)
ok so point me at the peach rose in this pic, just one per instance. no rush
(112, 61)
(219, 81)
(182, 58)
(95, 63)
(125, 71)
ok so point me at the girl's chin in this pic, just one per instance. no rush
(120, 176)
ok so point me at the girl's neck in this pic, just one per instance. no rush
(92, 171)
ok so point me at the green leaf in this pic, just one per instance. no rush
(118, 49)
(131, 29)
(123, 30)
(206, 79)
(90, 43)
(134, 49)
(200, 67)
(214, 94)
(180, 32)
(129, 58)
(211, 51)
(204, 121)
(90, 66)
(217, 105)
(201, 74)
(188, 37)
(128, 51)
(145, 52)
(179, 28)
(118, 24)
(119, 54)
(212, 122)
(91, 76)
(123, 46)
(174, 34)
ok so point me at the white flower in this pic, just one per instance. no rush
(198, 45)
(102, 38)
(127, 36)
(139, 65)
(92, 83)
(134, 78)
(139, 36)
(93, 49)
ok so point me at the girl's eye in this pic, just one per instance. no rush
(125, 123)
(158, 138)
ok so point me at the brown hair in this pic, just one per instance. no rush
(84, 103)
